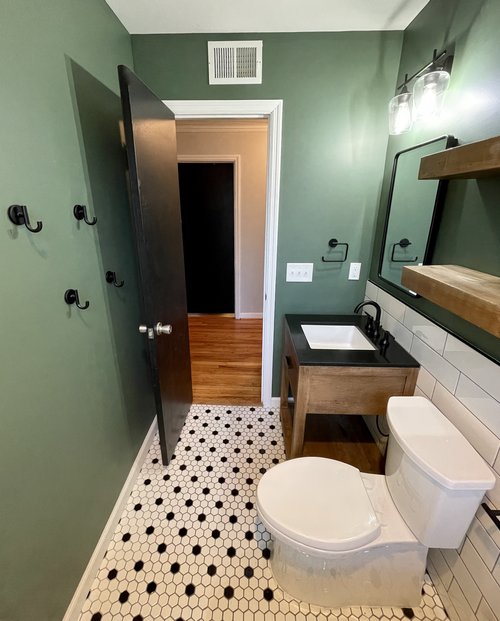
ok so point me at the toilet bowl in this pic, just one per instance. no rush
(346, 538)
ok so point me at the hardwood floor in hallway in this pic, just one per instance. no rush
(226, 359)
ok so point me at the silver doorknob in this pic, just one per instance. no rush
(161, 329)
(143, 329)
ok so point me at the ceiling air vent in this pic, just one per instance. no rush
(235, 62)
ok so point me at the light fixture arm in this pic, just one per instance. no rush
(403, 86)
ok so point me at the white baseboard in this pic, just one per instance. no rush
(275, 403)
(76, 604)
(250, 316)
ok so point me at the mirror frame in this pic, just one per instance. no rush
(451, 141)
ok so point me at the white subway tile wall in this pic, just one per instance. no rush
(460, 603)
(484, 544)
(442, 567)
(480, 403)
(426, 382)
(372, 291)
(432, 335)
(484, 612)
(481, 438)
(403, 336)
(465, 386)
(494, 494)
(474, 365)
(484, 578)
(465, 581)
(391, 305)
(442, 370)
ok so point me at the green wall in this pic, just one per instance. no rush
(335, 88)
(469, 231)
(75, 401)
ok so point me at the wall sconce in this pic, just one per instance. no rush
(400, 111)
(428, 94)
(429, 90)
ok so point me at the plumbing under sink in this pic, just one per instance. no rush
(336, 337)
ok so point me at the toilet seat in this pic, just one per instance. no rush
(320, 503)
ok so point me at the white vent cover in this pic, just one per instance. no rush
(235, 62)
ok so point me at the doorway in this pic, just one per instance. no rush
(207, 210)
(272, 110)
(223, 169)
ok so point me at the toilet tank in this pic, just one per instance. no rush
(435, 477)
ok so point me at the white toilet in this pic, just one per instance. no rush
(346, 538)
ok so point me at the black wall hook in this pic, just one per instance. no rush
(18, 214)
(333, 243)
(403, 243)
(71, 297)
(80, 213)
(111, 278)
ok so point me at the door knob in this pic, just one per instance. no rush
(143, 329)
(161, 329)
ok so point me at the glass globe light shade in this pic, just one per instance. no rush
(428, 93)
(400, 114)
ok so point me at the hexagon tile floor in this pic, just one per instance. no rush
(189, 545)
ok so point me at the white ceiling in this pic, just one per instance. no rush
(183, 16)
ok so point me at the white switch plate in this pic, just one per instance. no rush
(299, 272)
(354, 271)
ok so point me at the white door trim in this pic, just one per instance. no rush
(272, 109)
(236, 161)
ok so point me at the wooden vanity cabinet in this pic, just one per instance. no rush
(336, 389)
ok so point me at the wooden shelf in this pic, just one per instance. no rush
(472, 295)
(468, 161)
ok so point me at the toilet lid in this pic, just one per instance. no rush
(319, 502)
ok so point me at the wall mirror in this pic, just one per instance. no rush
(412, 208)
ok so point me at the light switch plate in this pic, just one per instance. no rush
(299, 272)
(354, 271)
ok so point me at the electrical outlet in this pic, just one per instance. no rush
(354, 271)
(299, 272)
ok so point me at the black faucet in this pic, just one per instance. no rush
(378, 312)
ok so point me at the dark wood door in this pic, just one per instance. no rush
(207, 207)
(150, 137)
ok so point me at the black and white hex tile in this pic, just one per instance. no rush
(189, 545)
